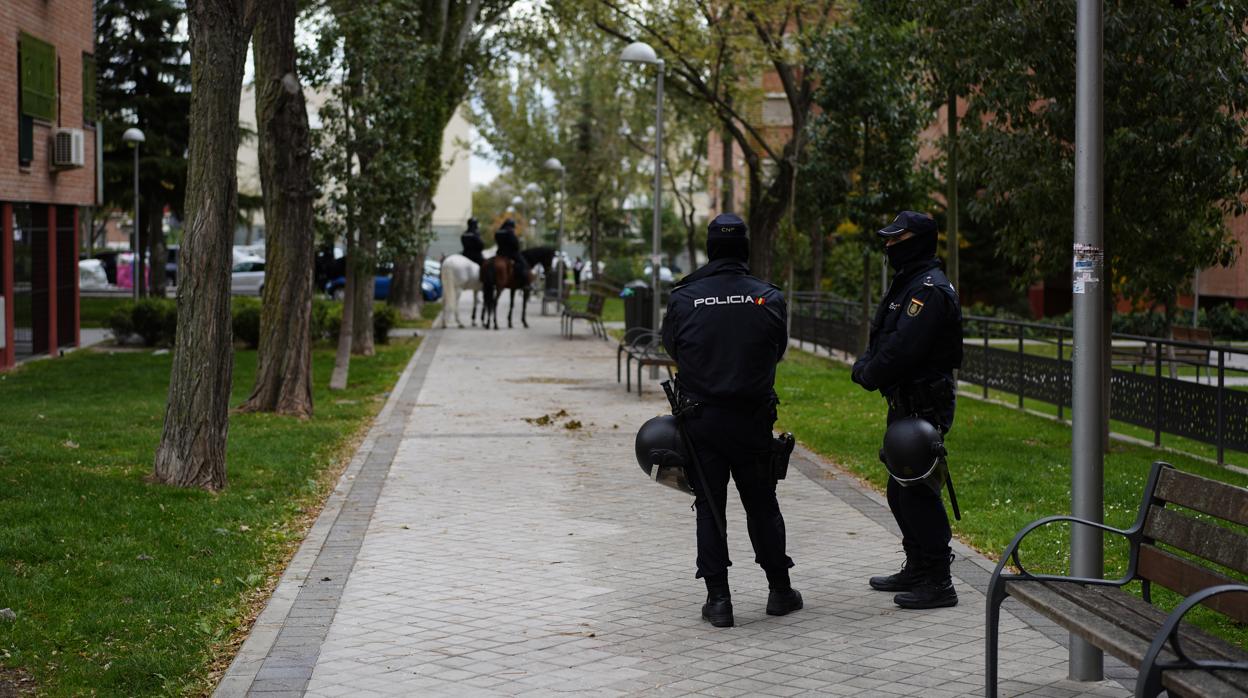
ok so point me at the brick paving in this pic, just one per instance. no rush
(489, 554)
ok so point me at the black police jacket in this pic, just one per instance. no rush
(473, 246)
(508, 243)
(726, 330)
(916, 335)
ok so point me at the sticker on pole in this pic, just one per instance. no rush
(1086, 269)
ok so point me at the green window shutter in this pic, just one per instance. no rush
(25, 139)
(88, 88)
(38, 78)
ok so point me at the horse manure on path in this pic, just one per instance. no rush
(549, 419)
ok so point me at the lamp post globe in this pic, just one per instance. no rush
(641, 52)
(134, 136)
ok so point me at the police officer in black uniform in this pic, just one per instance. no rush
(472, 243)
(916, 343)
(509, 247)
(726, 330)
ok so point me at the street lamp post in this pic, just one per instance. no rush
(134, 136)
(641, 52)
(555, 165)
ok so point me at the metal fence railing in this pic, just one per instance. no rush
(1194, 390)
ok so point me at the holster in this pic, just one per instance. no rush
(781, 449)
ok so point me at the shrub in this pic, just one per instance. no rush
(384, 320)
(121, 322)
(321, 310)
(246, 320)
(153, 319)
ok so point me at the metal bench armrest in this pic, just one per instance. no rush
(1011, 553)
(1149, 681)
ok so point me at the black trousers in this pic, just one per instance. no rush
(920, 513)
(736, 443)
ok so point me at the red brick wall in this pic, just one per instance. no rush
(69, 26)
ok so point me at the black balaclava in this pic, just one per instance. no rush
(726, 238)
(472, 225)
(919, 248)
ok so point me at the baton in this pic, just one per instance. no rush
(679, 413)
(953, 497)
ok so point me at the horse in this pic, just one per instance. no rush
(460, 274)
(498, 273)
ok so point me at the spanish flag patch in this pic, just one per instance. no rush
(915, 307)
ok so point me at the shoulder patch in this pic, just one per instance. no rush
(915, 307)
(928, 281)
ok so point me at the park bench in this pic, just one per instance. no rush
(646, 348)
(1197, 356)
(1187, 535)
(591, 312)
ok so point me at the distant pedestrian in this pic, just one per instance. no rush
(915, 345)
(577, 267)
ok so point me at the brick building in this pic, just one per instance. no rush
(47, 170)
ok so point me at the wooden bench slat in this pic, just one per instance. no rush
(1120, 628)
(1219, 499)
(1201, 538)
(1196, 642)
(1186, 578)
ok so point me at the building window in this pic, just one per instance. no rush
(88, 89)
(38, 77)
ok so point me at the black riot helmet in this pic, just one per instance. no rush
(661, 453)
(914, 453)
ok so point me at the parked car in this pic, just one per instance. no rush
(665, 274)
(430, 283)
(247, 278)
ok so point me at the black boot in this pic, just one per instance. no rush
(782, 603)
(718, 610)
(905, 580)
(934, 590)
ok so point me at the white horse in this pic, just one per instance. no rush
(461, 274)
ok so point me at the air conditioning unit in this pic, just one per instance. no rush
(68, 149)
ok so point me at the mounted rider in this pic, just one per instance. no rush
(509, 247)
(472, 243)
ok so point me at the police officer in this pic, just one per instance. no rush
(509, 247)
(915, 345)
(726, 331)
(472, 243)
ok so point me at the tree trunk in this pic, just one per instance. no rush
(365, 269)
(864, 325)
(767, 208)
(816, 254)
(156, 253)
(192, 446)
(342, 359)
(405, 286)
(595, 222)
(284, 361)
(727, 175)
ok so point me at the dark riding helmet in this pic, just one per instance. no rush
(472, 225)
(914, 453)
(661, 453)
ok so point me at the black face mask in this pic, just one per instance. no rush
(905, 253)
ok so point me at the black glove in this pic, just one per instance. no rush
(856, 375)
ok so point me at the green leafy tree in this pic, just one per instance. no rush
(1174, 122)
(144, 80)
(723, 54)
(864, 143)
(565, 95)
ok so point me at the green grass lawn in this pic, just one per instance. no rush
(122, 587)
(612, 308)
(95, 311)
(428, 313)
(1009, 467)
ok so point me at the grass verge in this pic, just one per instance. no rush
(1010, 467)
(122, 587)
(428, 313)
(95, 311)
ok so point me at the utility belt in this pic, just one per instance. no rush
(781, 446)
(929, 398)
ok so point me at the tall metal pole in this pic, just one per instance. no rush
(656, 254)
(1087, 471)
(558, 262)
(137, 267)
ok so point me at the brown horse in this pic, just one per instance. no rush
(499, 274)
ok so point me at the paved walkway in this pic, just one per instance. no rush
(472, 548)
